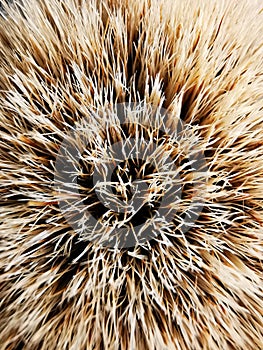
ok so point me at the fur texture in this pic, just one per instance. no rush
(202, 62)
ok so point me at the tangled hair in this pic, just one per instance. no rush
(162, 102)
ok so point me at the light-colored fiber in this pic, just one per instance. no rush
(200, 60)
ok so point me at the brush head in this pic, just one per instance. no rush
(131, 175)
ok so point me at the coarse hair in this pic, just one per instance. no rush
(69, 65)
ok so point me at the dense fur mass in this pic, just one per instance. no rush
(202, 62)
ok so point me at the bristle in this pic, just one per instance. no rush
(131, 175)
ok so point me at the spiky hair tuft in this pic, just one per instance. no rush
(188, 77)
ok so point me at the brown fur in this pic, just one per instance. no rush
(201, 61)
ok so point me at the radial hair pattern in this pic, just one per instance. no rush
(131, 175)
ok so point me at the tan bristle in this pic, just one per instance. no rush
(131, 175)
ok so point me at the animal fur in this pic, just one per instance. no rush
(202, 62)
